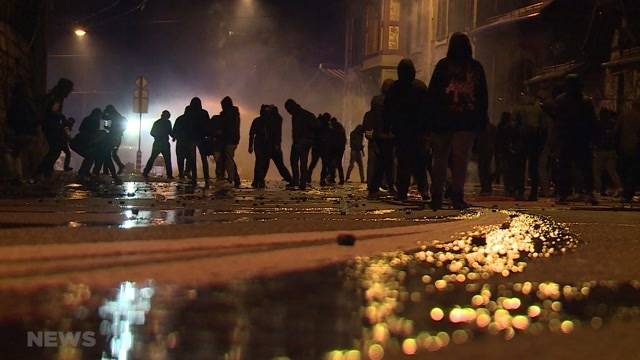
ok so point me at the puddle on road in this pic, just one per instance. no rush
(372, 308)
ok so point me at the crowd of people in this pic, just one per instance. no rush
(414, 132)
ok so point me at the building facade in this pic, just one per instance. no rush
(523, 44)
(22, 58)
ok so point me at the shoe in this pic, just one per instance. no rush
(170, 178)
(68, 169)
(373, 195)
(401, 197)
(461, 205)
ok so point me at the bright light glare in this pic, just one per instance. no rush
(80, 32)
(133, 125)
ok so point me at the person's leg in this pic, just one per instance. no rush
(441, 144)
(193, 165)
(388, 162)
(564, 173)
(484, 170)
(360, 163)
(372, 167)
(205, 161)
(295, 165)
(611, 165)
(85, 167)
(585, 166)
(352, 161)
(304, 158)
(405, 153)
(276, 156)
(533, 162)
(67, 157)
(181, 158)
(315, 157)
(340, 167)
(114, 153)
(166, 154)
(599, 159)
(155, 151)
(461, 145)
(230, 163)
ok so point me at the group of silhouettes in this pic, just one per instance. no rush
(414, 132)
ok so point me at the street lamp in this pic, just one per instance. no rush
(80, 32)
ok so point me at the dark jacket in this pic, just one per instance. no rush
(303, 125)
(274, 125)
(259, 133)
(200, 122)
(458, 96)
(575, 119)
(181, 129)
(230, 124)
(161, 130)
(356, 140)
(404, 104)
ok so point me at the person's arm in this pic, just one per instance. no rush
(252, 133)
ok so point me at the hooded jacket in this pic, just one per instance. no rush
(198, 121)
(458, 93)
(404, 105)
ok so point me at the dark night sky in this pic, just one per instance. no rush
(187, 43)
(257, 51)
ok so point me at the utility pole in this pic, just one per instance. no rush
(140, 106)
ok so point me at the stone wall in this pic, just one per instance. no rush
(22, 57)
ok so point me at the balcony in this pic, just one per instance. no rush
(513, 16)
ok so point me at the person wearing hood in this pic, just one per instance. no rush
(199, 121)
(575, 118)
(356, 143)
(380, 163)
(337, 145)
(182, 137)
(161, 132)
(459, 102)
(53, 126)
(230, 125)
(404, 116)
(320, 148)
(303, 124)
(259, 144)
(117, 126)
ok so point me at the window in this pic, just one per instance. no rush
(394, 37)
(373, 26)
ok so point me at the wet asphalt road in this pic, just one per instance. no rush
(583, 303)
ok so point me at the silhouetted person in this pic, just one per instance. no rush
(514, 138)
(201, 137)
(218, 147)
(259, 144)
(337, 146)
(94, 145)
(161, 131)
(356, 143)
(380, 164)
(629, 149)
(575, 120)
(459, 103)
(275, 141)
(52, 126)
(116, 128)
(67, 126)
(320, 148)
(534, 127)
(404, 115)
(230, 117)
(22, 121)
(605, 151)
(485, 146)
(302, 125)
(184, 144)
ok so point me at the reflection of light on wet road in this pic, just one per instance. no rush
(127, 310)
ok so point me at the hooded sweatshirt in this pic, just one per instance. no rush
(458, 90)
(404, 106)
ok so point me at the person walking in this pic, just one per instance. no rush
(182, 137)
(259, 144)
(356, 143)
(575, 117)
(117, 126)
(380, 151)
(605, 160)
(302, 125)
(200, 126)
(230, 123)
(404, 116)
(459, 102)
(161, 131)
(53, 128)
(274, 127)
